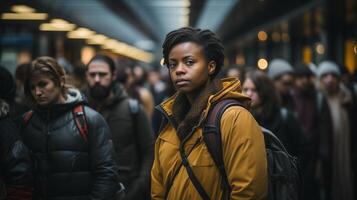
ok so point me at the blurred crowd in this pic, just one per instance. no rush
(311, 108)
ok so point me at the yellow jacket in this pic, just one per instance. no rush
(243, 153)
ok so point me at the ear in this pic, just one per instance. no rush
(211, 67)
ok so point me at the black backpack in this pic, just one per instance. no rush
(283, 173)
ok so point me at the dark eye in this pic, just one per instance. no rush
(42, 84)
(171, 65)
(189, 62)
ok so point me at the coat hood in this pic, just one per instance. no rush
(74, 98)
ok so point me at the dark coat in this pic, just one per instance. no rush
(68, 167)
(15, 162)
(133, 142)
(283, 123)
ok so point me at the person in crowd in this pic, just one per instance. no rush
(337, 163)
(314, 115)
(267, 111)
(157, 86)
(236, 71)
(282, 73)
(194, 57)
(131, 131)
(21, 105)
(135, 86)
(71, 161)
(15, 162)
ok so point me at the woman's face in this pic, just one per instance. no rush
(250, 90)
(188, 68)
(45, 91)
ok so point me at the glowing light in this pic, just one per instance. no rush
(22, 9)
(262, 63)
(97, 39)
(57, 25)
(80, 33)
(262, 36)
(24, 16)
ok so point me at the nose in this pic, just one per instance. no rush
(248, 92)
(97, 78)
(38, 91)
(180, 69)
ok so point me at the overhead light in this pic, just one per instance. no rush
(80, 33)
(262, 36)
(57, 25)
(22, 9)
(109, 44)
(262, 63)
(172, 3)
(97, 39)
(24, 16)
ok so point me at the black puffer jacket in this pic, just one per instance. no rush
(15, 163)
(66, 166)
(133, 142)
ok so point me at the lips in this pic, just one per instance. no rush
(181, 82)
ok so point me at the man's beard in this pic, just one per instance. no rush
(99, 92)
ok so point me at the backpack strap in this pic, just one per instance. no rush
(81, 121)
(26, 117)
(213, 140)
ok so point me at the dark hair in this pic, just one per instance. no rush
(105, 59)
(20, 73)
(212, 45)
(266, 91)
(44, 66)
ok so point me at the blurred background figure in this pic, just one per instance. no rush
(135, 84)
(20, 100)
(267, 111)
(311, 109)
(339, 171)
(281, 72)
(129, 125)
(235, 71)
(15, 163)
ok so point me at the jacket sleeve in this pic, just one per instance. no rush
(16, 164)
(103, 166)
(145, 143)
(244, 154)
(157, 183)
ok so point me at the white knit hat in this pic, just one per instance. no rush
(327, 67)
(278, 67)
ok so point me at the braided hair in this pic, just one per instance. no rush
(211, 44)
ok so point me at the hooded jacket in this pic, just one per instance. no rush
(66, 166)
(133, 141)
(242, 142)
(15, 163)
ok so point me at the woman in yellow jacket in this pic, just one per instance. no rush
(194, 57)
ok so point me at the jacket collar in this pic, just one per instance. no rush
(185, 116)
